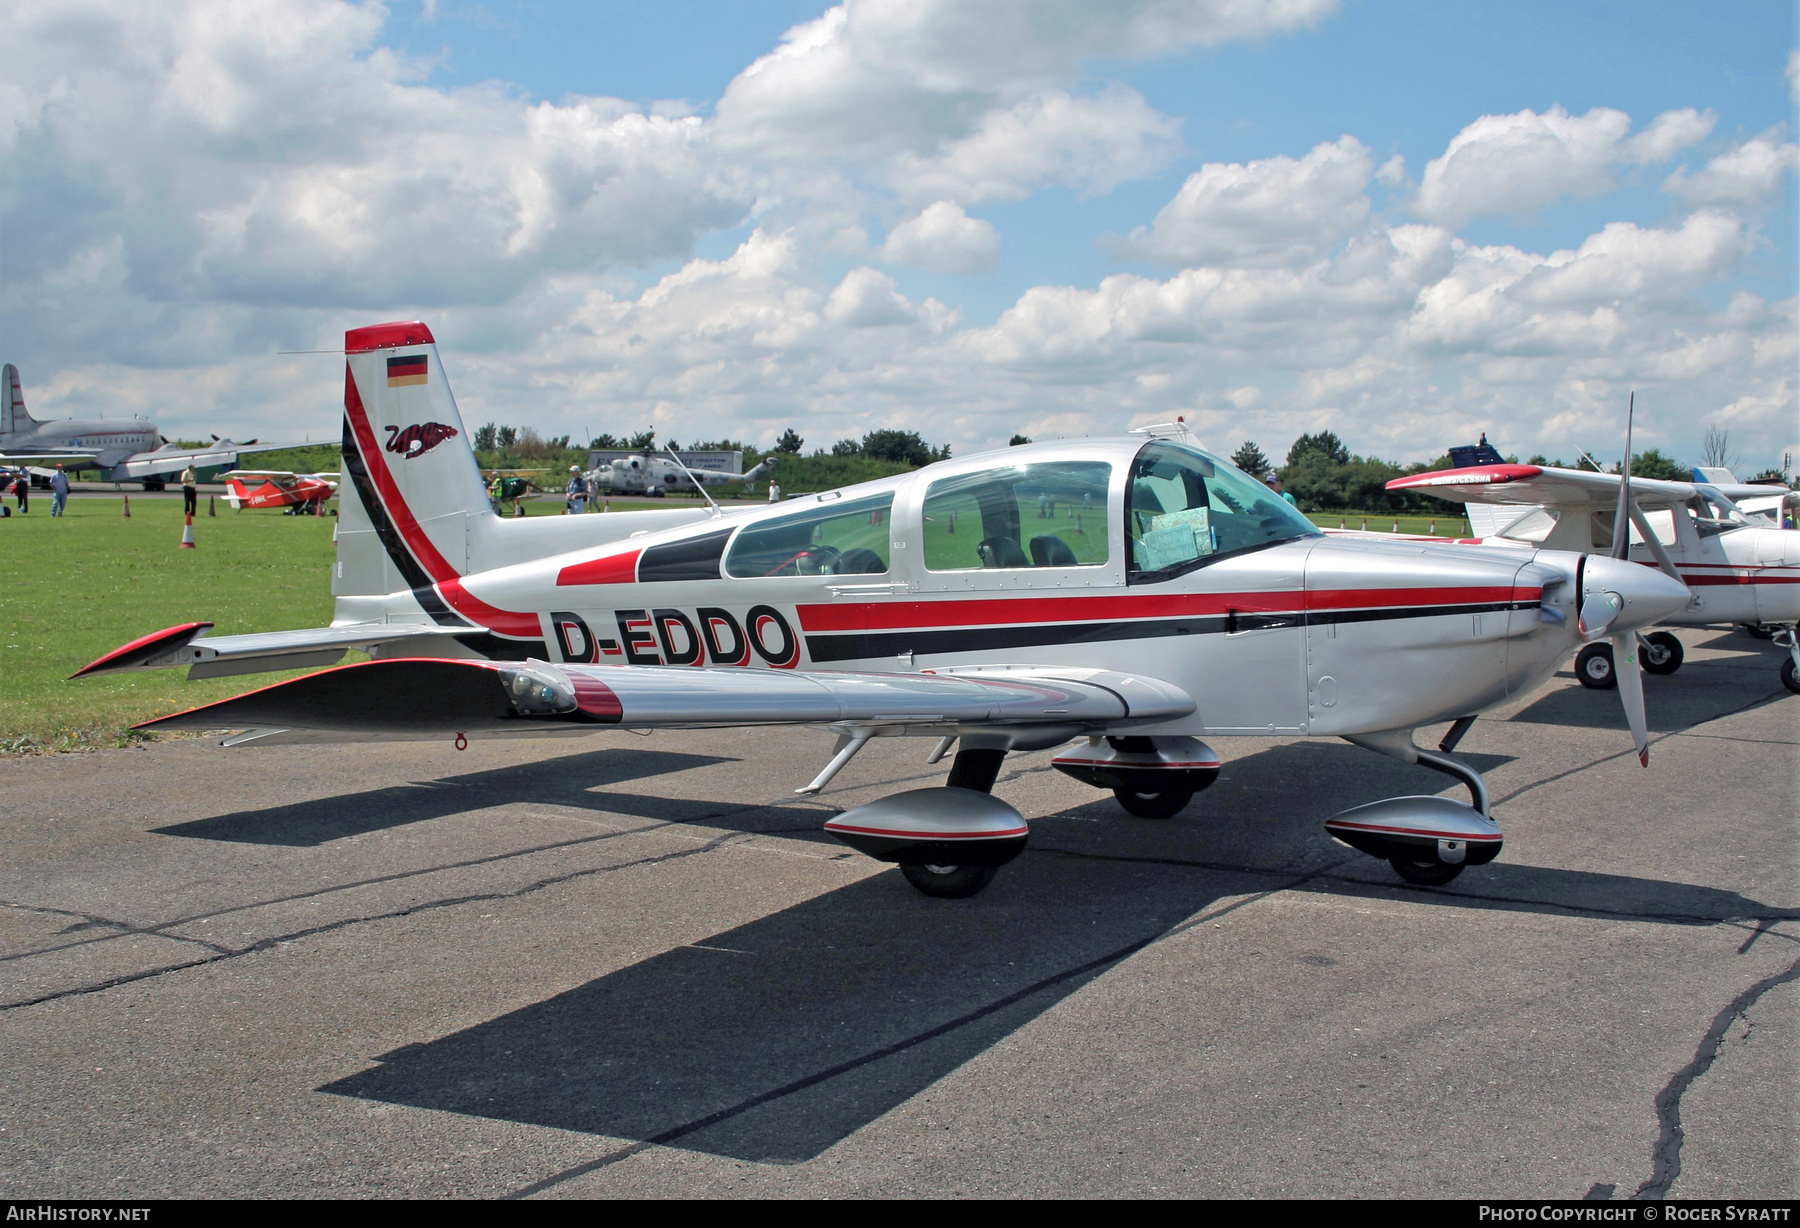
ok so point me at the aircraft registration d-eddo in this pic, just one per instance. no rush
(1739, 569)
(1128, 597)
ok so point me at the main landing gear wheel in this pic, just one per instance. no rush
(1790, 678)
(1432, 873)
(1661, 653)
(1164, 805)
(1594, 667)
(949, 882)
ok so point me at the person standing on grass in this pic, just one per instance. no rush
(22, 491)
(577, 492)
(1275, 485)
(59, 491)
(190, 498)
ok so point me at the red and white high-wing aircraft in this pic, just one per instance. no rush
(1130, 596)
(1740, 569)
(277, 488)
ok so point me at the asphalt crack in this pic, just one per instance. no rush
(1666, 1157)
(275, 940)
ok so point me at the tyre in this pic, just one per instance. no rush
(1424, 873)
(1759, 632)
(1164, 805)
(949, 882)
(1661, 653)
(1790, 677)
(1594, 667)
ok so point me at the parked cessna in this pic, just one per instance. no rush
(650, 474)
(1739, 568)
(1167, 598)
(122, 449)
(300, 492)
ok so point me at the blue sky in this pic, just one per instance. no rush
(966, 218)
(1404, 76)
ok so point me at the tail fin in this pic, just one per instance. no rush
(410, 478)
(13, 415)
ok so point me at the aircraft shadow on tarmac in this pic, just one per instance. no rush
(568, 781)
(776, 1039)
(1672, 705)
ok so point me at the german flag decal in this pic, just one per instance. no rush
(407, 369)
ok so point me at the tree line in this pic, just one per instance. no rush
(1323, 475)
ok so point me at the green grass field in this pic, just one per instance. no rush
(85, 583)
(1450, 524)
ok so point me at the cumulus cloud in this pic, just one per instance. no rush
(269, 153)
(906, 74)
(191, 187)
(1091, 144)
(867, 298)
(1516, 164)
(945, 238)
(1273, 211)
(1748, 174)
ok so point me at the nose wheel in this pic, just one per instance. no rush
(949, 882)
(1164, 805)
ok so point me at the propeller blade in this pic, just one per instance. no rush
(1621, 547)
(1631, 691)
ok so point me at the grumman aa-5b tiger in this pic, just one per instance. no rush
(1127, 597)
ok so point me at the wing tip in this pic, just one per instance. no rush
(144, 647)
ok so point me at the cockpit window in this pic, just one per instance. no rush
(1184, 509)
(830, 538)
(1048, 514)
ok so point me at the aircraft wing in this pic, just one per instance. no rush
(1558, 488)
(172, 459)
(47, 457)
(222, 655)
(424, 698)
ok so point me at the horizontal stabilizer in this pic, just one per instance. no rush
(222, 655)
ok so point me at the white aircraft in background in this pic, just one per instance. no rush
(122, 449)
(652, 475)
(1124, 598)
(1740, 569)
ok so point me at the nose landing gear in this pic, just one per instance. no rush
(1427, 840)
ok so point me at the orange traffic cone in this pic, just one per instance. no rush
(127, 512)
(1396, 524)
(187, 534)
(1340, 522)
(1365, 527)
(1432, 532)
(210, 509)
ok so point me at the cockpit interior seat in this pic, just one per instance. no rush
(1002, 552)
(859, 562)
(1048, 550)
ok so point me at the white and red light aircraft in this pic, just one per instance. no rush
(1739, 569)
(1130, 596)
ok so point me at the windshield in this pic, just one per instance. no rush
(1185, 509)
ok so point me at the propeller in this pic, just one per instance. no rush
(1625, 649)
